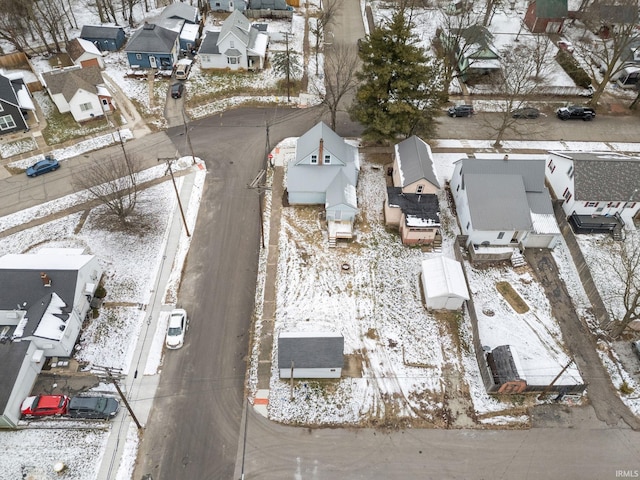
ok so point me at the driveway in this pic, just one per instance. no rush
(174, 111)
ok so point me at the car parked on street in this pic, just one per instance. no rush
(526, 112)
(177, 328)
(575, 112)
(103, 408)
(49, 164)
(177, 89)
(460, 111)
(43, 405)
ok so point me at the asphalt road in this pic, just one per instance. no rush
(194, 428)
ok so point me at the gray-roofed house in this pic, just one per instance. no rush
(181, 11)
(153, 46)
(227, 5)
(412, 202)
(105, 38)
(45, 298)
(325, 172)
(310, 354)
(503, 203)
(238, 46)
(84, 53)
(546, 16)
(601, 190)
(14, 109)
(80, 91)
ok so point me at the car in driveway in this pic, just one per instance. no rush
(177, 89)
(526, 112)
(43, 405)
(575, 112)
(177, 328)
(103, 408)
(460, 111)
(49, 164)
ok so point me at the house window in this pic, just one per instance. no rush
(420, 189)
(591, 204)
(629, 204)
(458, 188)
(314, 159)
(217, 4)
(84, 107)
(7, 122)
(570, 172)
(566, 194)
(599, 209)
(232, 60)
(138, 56)
(551, 166)
(468, 225)
(231, 45)
(613, 204)
(327, 159)
(567, 197)
(500, 235)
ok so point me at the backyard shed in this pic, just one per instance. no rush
(444, 284)
(310, 354)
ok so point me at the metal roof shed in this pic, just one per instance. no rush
(444, 284)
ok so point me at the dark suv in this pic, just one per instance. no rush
(93, 407)
(460, 111)
(176, 90)
(576, 112)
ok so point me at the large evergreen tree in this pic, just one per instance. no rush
(400, 89)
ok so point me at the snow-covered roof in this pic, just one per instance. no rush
(415, 161)
(45, 261)
(190, 31)
(443, 277)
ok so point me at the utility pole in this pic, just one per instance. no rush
(286, 36)
(175, 188)
(186, 132)
(548, 387)
(244, 440)
(255, 185)
(112, 379)
(291, 393)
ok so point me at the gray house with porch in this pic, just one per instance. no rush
(153, 46)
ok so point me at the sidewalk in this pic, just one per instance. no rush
(139, 388)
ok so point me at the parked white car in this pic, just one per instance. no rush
(183, 68)
(177, 328)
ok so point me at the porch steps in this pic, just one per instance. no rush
(332, 242)
(517, 259)
(436, 246)
(616, 233)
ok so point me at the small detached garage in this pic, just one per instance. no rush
(310, 354)
(444, 285)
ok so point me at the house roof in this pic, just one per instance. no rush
(505, 364)
(600, 176)
(317, 178)
(78, 46)
(551, 8)
(7, 92)
(209, 44)
(415, 162)
(237, 24)
(268, 4)
(310, 350)
(12, 355)
(615, 14)
(420, 210)
(190, 31)
(151, 38)
(181, 10)
(341, 192)
(100, 31)
(69, 81)
(443, 277)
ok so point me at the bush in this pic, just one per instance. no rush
(100, 292)
(573, 69)
(626, 389)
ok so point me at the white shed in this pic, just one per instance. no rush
(444, 284)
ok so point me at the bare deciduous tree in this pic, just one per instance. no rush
(625, 266)
(114, 183)
(606, 41)
(340, 67)
(319, 28)
(515, 82)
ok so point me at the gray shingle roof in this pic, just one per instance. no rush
(99, 31)
(237, 24)
(151, 38)
(416, 162)
(180, 10)
(424, 207)
(67, 82)
(7, 93)
(209, 44)
(605, 176)
(310, 351)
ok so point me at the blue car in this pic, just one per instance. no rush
(49, 164)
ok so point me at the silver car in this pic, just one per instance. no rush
(177, 328)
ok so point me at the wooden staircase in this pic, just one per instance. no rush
(517, 259)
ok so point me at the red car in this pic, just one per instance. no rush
(44, 405)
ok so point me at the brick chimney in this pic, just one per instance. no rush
(46, 281)
(321, 152)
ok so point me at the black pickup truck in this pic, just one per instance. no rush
(576, 112)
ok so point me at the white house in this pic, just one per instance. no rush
(236, 46)
(84, 53)
(310, 354)
(444, 284)
(325, 172)
(596, 184)
(45, 298)
(80, 91)
(504, 203)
